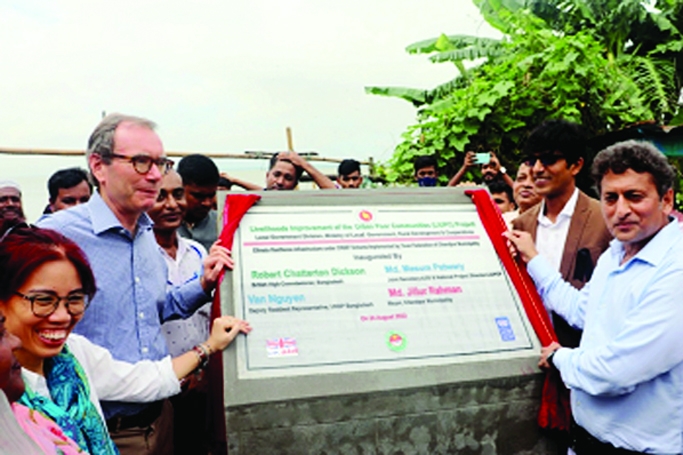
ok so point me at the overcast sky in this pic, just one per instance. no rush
(221, 75)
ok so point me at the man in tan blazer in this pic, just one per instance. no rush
(567, 227)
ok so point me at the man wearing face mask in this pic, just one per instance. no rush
(426, 171)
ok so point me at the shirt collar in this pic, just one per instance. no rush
(103, 219)
(657, 248)
(567, 210)
(183, 248)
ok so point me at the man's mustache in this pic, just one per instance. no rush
(8, 210)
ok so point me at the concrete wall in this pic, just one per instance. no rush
(489, 417)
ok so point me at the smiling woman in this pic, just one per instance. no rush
(45, 285)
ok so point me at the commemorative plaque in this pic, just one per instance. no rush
(385, 289)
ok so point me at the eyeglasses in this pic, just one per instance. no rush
(546, 159)
(44, 303)
(143, 163)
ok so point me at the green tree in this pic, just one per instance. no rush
(643, 36)
(546, 65)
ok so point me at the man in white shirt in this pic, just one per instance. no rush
(626, 376)
(566, 226)
(184, 258)
(568, 229)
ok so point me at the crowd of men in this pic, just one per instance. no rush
(607, 271)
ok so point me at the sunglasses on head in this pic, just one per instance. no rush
(546, 159)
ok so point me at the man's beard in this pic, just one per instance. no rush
(12, 214)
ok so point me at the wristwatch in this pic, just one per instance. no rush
(503, 170)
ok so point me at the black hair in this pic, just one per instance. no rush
(348, 166)
(640, 157)
(569, 138)
(66, 178)
(297, 169)
(198, 170)
(424, 161)
(498, 186)
(224, 183)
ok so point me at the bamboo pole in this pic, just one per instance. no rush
(290, 142)
(247, 155)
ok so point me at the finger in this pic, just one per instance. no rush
(511, 238)
(210, 265)
(221, 256)
(232, 333)
(219, 263)
(216, 248)
(212, 276)
(226, 260)
(245, 327)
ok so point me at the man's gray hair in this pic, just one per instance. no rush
(640, 157)
(101, 140)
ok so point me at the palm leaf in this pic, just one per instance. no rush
(413, 95)
(469, 53)
(664, 24)
(431, 45)
(498, 13)
(671, 46)
(444, 90)
(655, 78)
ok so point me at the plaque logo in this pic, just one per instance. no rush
(505, 329)
(365, 215)
(282, 347)
(396, 341)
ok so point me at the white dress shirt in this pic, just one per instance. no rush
(183, 334)
(551, 237)
(114, 380)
